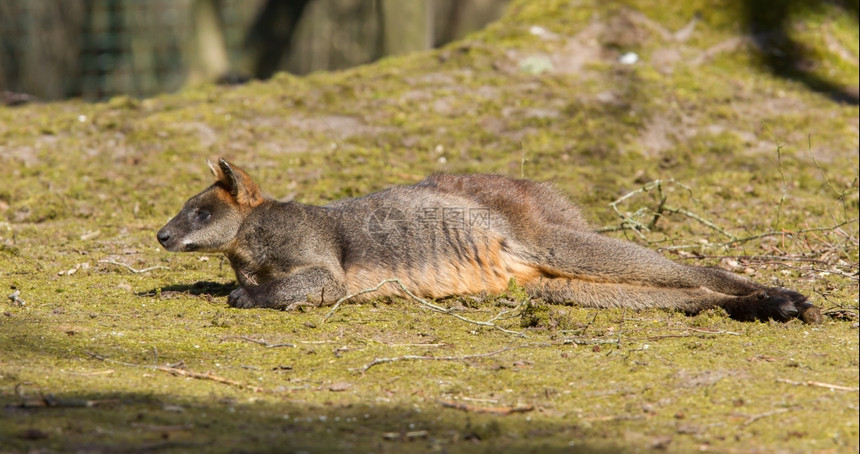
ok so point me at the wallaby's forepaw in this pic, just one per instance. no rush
(791, 295)
(777, 304)
(240, 298)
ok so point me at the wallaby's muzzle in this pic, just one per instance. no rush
(175, 235)
(164, 237)
(168, 239)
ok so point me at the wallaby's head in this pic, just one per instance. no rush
(208, 222)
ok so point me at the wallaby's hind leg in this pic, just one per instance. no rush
(607, 272)
(593, 257)
(761, 305)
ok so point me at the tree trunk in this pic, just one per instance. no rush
(207, 51)
(407, 25)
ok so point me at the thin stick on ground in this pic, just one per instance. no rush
(578, 341)
(839, 193)
(691, 215)
(630, 221)
(490, 410)
(508, 311)
(266, 344)
(182, 372)
(424, 303)
(208, 376)
(645, 188)
(133, 270)
(755, 418)
(784, 190)
(378, 361)
(659, 211)
(708, 331)
(818, 384)
(746, 239)
(692, 333)
(353, 295)
(94, 373)
(760, 258)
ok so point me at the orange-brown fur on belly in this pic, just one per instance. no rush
(489, 272)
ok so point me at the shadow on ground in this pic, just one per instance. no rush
(143, 422)
(769, 22)
(200, 288)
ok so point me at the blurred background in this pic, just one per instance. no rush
(96, 49)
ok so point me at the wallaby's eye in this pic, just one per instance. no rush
(202, 215)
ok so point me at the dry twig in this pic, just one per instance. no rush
(491, 410)
(818, 384)
(630, 221)
(266, 344)
(425, 304)
(378, 361)
(577, 341)
(181, 372)
(208, 376)
(755, 418)
(133, 270)
(94, 373)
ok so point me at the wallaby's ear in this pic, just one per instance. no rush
(240, 185)
(216, 171)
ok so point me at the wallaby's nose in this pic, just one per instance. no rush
(163, 235)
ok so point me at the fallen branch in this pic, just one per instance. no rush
(708, 331)
(378, 361)
(491, 410)
(694, 330)
(817, 383)
(478, 399)
(208, 376)
(133, 270)
(578, 341)
(703, 221)
(266, 344)
(747, 239)
(776, 258)
(508, 311)
(435, 345)
(90, 374)
(426, 304)
(613, 418)
(629, 221)
(353, 295)
(250, 339)
(755, 418)
(181, 372)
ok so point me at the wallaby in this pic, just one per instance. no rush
(447, 235)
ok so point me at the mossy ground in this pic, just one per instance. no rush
(88, 183)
